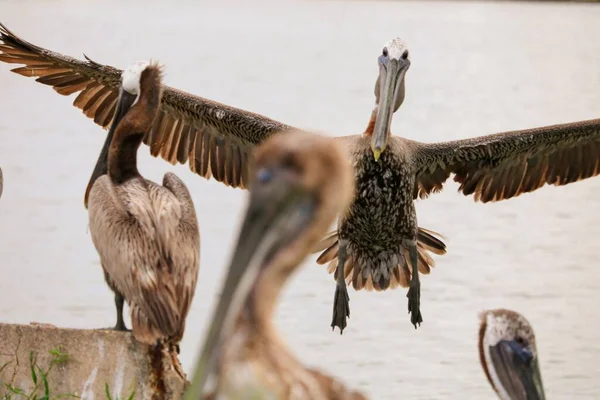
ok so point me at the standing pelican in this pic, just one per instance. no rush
(509, 356)
(377, 238)
(292, 202)
(146, 234)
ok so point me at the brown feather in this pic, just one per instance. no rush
(205, 147)
(501, 166)
(74, 87)
(40, 71)
(227, 163)
(183, 150)
(166, 131)
(157, 133)
(106, 110)
(95, 101)
(329, 254)
(170, 149)
(236, 163)
(239, 131)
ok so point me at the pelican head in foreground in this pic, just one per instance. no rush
(509, 356)
(302, 181)
(146, 234)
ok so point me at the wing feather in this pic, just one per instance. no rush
(149, 248)
(212, 130)
(505, 165)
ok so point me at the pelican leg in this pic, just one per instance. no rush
(119, 301)
(414, 292)
(341, 306)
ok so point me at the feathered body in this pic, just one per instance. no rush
(148, 242)
(146, 234)
(381, 221)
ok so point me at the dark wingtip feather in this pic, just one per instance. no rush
(429, 240)
(7, 36)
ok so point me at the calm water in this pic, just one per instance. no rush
(476, 69)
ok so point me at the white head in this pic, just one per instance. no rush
(509, 355)
(130, 78)
(396, 49)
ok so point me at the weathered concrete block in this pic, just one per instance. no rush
(84, 363)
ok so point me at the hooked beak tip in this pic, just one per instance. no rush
(377, 153)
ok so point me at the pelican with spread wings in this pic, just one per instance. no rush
(377, 238)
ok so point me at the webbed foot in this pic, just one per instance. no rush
(120, 326)
(414, 303)
(341, 308)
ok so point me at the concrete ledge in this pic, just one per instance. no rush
(83, 362)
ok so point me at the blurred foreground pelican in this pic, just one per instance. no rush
(509, 356)
(378, 238)
(302, 181)
(146, 234)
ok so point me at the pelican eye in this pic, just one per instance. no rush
(405, 55)
(264, 175)
(385, 52)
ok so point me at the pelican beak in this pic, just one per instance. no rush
(377, 151)
(278, 211)
(517, 370)
(125, 102)
(390, 96)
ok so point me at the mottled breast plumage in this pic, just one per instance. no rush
(383, 211)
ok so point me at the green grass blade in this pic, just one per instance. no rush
(32, 367)
(59, 356)
(15, 390)
(45, 380)
(107, 391)
(60, 396)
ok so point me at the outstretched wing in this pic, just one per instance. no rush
(505, 165)
(215, 139)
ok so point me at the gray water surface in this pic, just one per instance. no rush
(477, 68)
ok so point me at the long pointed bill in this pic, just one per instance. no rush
(391, 76)
(517, 370)
(277, 213)
(125, 102)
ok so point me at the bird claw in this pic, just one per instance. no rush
(341, 308)
(120, 327)
(414, 303)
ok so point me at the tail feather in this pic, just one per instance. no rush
(402, 276)
(332, 267)
(329, 240)
(371, 275)
(143, 330)
(427, 240)
(424, 261)
(348, 268)
(329, 254)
